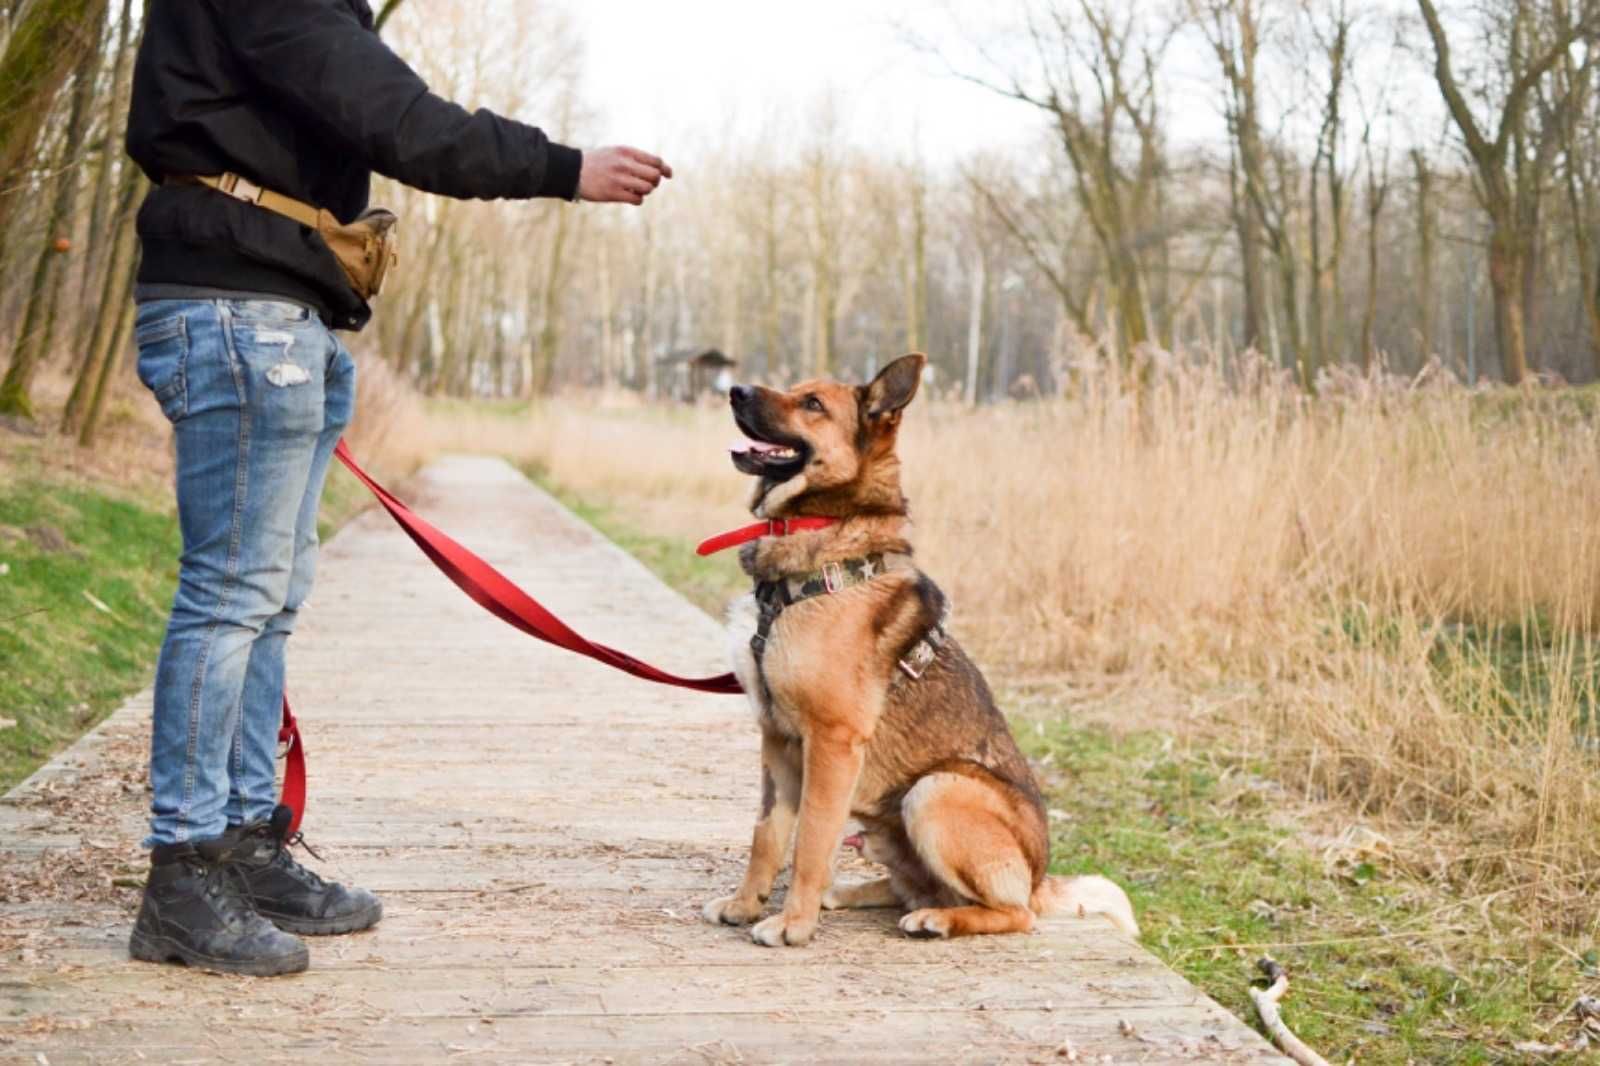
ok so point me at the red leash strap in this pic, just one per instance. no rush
(495, 593)
(294, 770)
(772, 527)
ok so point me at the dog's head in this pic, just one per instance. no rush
(824, 448)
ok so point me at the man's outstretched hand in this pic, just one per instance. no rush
(620, 175)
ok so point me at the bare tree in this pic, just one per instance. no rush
(1096, 76)
(39, 318)
(1510, 156)
(1266, 175)
(1378, 185)
(1333, 42)
(47, 43)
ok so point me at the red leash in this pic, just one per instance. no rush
(772, 527)
(496, 594)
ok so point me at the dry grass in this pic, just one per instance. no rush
(1388, 594)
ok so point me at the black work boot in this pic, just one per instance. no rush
(193, 913)
(290, 896)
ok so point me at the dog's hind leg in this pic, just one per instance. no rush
(862, 894)
(769, 844)
(962, 831)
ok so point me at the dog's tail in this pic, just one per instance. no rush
(1084, 896)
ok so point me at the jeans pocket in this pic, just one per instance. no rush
(283, 372)
(163, 359)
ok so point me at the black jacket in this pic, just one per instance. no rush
(300, 96)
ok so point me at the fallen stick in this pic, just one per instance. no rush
(1266, 1001)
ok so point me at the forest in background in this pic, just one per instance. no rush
(1301, 633)
(1398, 185)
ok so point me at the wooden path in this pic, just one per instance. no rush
(544, 833)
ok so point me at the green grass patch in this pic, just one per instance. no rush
(83, 605)
(1382, 970)
(88, 580)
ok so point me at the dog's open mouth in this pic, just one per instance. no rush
(762, 457)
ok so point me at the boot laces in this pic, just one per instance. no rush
(282, 857)
(219, 887)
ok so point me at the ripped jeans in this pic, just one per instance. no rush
(258, 393)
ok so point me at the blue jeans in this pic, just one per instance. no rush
(258, 393)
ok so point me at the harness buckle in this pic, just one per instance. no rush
(917, 661)
(833, 577)
(777, 527)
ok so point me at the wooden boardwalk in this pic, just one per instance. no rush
(544, 833)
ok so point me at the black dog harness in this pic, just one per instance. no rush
(772, 597)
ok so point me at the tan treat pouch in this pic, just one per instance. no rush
(367, 248)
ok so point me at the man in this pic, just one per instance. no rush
(237, 304)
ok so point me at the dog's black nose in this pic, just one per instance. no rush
(739, 394)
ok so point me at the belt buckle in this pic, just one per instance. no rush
(242, 189)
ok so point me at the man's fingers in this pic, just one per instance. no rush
(653, 161)
(621, 174)
(632, 189)
(644, 171)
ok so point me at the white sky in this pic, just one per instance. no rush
(682, 76)
(676, 74)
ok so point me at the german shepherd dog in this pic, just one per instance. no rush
(867, 709)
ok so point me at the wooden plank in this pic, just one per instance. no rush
(544, 833)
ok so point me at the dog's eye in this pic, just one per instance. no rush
(814, 404)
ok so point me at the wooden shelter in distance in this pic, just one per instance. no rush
(691, 373)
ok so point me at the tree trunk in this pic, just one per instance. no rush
(38, 322)
(1426, 253)
(826, 299)
(1369, 317)
(608, 315)
(95, 259)
(113, 360)
(772, 268)
(975, 331)
(1592, 307)
(108, 313)
(1254, 280)
(917, 268)
(550, 307)
(1505, 278)
(45, 47)
(1317, 327)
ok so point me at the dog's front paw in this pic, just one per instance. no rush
(731, 910)
(781, 930)
(926, 924)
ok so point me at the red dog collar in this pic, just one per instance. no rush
(773, 527)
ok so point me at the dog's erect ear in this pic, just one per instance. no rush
(895, 385)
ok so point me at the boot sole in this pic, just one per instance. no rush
(350, 923)
(165, 949)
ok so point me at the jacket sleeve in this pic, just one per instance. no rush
(318, 59)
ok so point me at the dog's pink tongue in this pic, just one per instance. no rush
(744, 445)
(856, 840)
